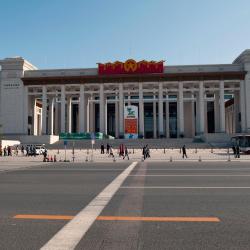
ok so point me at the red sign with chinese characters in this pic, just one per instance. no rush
(131, 126)
(130, 67)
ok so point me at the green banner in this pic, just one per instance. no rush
(83, 136)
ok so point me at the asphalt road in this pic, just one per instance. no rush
(152, 190)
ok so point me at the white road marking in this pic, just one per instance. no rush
(70, 235)
(176, 187)
(191, 175)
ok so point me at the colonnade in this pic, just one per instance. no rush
(56, 102)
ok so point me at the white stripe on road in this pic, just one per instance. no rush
(176, 187)
(191, 175)
(70, 235)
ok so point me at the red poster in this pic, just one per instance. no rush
(130, 126)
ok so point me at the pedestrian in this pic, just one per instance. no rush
(184, 153)
(22, 150)
(5, 151)
(144, 152)
(121, 150)
(102, 149)
(108, 148)
(147, 152)
(45, 155)
(125, 153)
(111, 151)
(237, 151)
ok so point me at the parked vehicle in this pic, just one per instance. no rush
(243, 141)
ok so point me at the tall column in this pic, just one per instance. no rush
(160, 110)
(69, 114)
(44, 111)
(121, 110)
(34, 117)
(167, 120)
(242, 106)
(154, 119)
(236, 112)
(201, 107)
(193, 117)
(216, 112)
(116, 118)
(56, 129)
(181, 113)
(222, 108)
(81, 110)
(26, 108)
(106, 121)
(141, 110)
(88, 114)
(102, 109)
(63, 109)
(51, 116)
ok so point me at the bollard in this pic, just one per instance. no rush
(180, 150)
(196, 150)
(54, 158)
(199, 158)
(228, 157)
(171, 159)
(133, 150)
(164, 151)
(212, 150)
(228, 150)
(87, 151)
(58, 151)
(86, 159)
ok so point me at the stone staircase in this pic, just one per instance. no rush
(130, 143)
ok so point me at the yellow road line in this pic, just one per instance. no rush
(121, 218)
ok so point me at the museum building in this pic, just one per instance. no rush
(172, 101)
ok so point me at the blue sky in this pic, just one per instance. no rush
(80, 33)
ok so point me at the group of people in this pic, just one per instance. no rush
(109, 150)
(9, 151)
(123, 151)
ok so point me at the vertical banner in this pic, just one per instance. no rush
(131, 122)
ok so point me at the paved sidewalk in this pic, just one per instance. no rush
(17, 162)
(156, 155)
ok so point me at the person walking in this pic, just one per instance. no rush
(144, 152)
(111, 151)
(102, 149)
(237, 151)
(108, 148)
(125, 153)
(184, 153)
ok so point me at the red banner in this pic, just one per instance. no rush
(130, 67)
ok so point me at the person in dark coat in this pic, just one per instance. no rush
(184, 153)
(237, 151)
(125, 153)
(102, 149)
(108, 148)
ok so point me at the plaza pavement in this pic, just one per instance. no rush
(85, 155)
